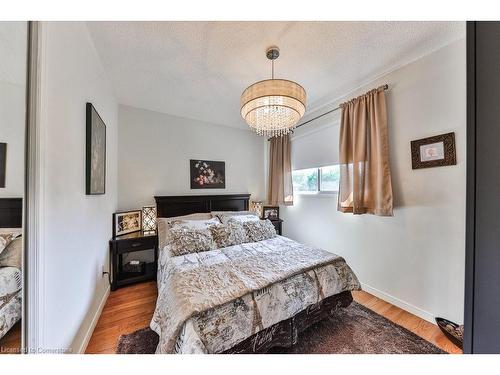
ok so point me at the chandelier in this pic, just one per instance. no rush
(273, 107)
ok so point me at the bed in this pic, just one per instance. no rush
(10, 276)
(243, 298)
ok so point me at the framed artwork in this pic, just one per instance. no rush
(434, 151)
(3, 163)
(205, 174)
(126, 222)
(95, 158)
(271, 212)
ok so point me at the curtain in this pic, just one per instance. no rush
(365, 178)
(280, 189)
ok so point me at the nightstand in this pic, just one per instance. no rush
(277, 225)
(121, 247)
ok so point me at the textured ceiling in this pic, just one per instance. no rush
(199, 69)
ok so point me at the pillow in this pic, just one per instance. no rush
(259, 230)
(185, 240)
(12, 255)
(6, 239)
(241, 218)
(228, 234)
(194, 224)
(196, 216)
(233, 213)
(164, 224)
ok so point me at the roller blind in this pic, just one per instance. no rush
(316, 148)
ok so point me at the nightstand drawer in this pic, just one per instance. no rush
(135, 244)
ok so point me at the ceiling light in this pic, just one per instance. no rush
(273, 107)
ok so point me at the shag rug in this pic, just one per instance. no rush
(354, 330)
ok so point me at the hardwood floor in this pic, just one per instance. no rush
(11, 342)
(131, 308)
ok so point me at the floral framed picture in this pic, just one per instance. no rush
(126, 222)
(205, 174)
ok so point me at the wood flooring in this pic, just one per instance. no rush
(131, 308)
(11, 342)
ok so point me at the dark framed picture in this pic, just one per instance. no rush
(206, 174)
(271, 212)
(434, 151)
(3, 163)
(126, 222)
(95, 158)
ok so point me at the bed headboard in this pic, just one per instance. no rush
(169, 206)
(11, 212)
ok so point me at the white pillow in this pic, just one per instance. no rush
(196, 216)
(194, 224)
(239, 218)
(218, 213)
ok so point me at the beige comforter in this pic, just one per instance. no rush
(210, 301)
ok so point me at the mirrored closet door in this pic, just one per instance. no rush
(13, 79)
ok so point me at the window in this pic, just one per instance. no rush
(329, 178)
(316, 180)
(305, 180)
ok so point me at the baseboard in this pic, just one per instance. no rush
(84, 341)
(399, 303)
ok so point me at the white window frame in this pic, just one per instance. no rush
(318, 190)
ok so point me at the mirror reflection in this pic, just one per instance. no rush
(13, 52)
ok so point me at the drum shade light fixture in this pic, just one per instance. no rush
(273, 107)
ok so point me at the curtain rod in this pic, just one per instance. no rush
(385, 87)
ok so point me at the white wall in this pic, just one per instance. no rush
(155, 149)
(416, 258)
(77, 227)
(13, 49)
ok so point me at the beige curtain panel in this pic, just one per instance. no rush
(365, 177)
(280, 189)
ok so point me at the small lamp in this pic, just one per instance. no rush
(149, 219)
(256, 206)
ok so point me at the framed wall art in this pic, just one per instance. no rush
(271, 212)
(205, 174)
(3, 163)
(436, 151)
(95, 158)
(126, 222)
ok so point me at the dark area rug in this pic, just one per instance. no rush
(355, 329)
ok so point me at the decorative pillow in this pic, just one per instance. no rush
(12, 255)
(184, 240)
(228, 234)
(224, 218)
(259, 230)
(6, 239)
(164, 225)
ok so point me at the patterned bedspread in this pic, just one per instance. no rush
(210, 301)
(10, 298)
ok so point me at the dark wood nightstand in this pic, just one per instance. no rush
(278, 223)
(130, 243)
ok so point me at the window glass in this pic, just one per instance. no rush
(305, 180)
(330, 178)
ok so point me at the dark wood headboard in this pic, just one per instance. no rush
(169, 206)
(11, 212)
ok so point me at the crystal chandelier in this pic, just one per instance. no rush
(273, 107)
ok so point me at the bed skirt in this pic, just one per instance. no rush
(285, 333)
